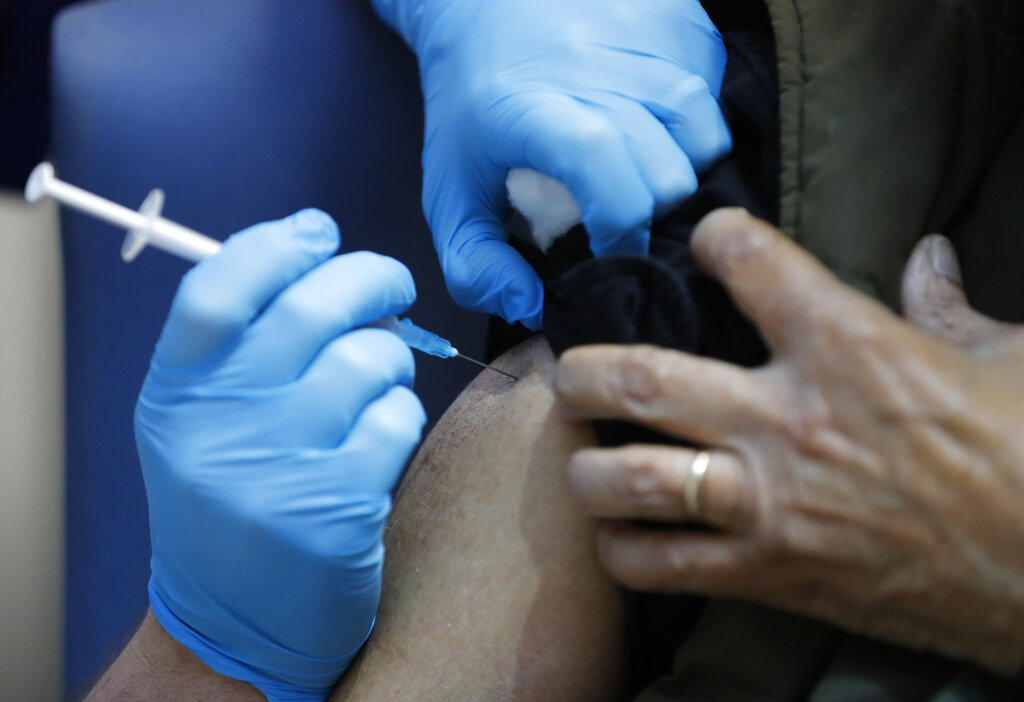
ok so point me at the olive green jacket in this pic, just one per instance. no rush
(900, 118)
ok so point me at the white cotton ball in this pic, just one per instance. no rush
(546, 204)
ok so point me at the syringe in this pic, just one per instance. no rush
(427, 342)
(147, 227)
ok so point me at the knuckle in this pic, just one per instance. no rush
(643, 377)
(198, 308)
(595, 135)
(711, 149)
(691, 97)
(673, 568)
(740, 247)
(812, 422)
(799, 540)
(694, 87)
(391, 352)
(677, 560)
(668, 567)
(369, 353)
(640, 478)
(306, 310)
(719, 145)
(348, 357)
(592, 143)
(861, 333)
(386, 268)
(404, 425)
(673, 187)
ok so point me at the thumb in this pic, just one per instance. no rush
(223, 294)
(934, 299)
(484, 273)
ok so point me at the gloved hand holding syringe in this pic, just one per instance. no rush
(147, 227)
(272, 428)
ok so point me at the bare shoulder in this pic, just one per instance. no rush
(531, 361)
(491, 588)
(495, 414)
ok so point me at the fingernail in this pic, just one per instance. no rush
(943, 258)
(316, 227)
(734, 211)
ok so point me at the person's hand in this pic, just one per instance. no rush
(872, 474)
(615, 100)
(270, 435)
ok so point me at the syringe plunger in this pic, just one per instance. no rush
(144, 227)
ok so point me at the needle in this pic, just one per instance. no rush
(488, 367)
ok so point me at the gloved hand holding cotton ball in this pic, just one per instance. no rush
(615, 100)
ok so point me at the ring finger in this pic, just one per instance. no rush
(663, 483)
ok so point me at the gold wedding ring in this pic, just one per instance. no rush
(691, 491)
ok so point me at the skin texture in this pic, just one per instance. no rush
(492, 588)
(871, 474)
(155, 668)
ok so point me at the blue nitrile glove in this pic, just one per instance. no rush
(270, 436)
(615, 99)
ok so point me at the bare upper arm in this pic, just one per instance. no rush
(492, 590)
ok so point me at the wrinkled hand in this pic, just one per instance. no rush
(616, 100)
(872, 474)
(270, 435)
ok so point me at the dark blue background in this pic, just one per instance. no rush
(241, 110)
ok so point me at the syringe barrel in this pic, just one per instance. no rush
(181, 241)
(416, 337)
(159, 232)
